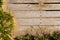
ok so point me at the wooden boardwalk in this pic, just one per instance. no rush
(38, 13)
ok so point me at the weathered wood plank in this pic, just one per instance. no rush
(50, 21)
(36, 14)
(50, 14)
(26, 14)
(42, 21)
(38, 27)
(32, 1)
(21, 1)
(28, 21)
(34, 7)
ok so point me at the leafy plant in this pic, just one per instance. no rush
(56, 36)
(27, 37)
(1, 2)
(6, 24)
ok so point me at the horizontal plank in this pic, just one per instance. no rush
(26, 14)
(28, 21)
(21, 1)
(24, 28)
(32, 1)
(38, 27)
(34, 7)
(50, 14)
(50, 21)
(42, 21)
(36, 14)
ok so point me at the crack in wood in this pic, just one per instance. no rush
(25, 3)
(39, 3)
(52, 10)
(52, 3)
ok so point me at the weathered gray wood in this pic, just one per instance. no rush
(32, 1)
(28, 21)
(26, 14)
(36, 14)
(34, 7)
(42, 21)
(21, 1)
(50, 21)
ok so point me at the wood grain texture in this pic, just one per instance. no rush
(32, 1)
(34, 7)
(36, 14)
(45, 21)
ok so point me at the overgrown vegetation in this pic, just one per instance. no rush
(55, 36)
(6, 24)
(1, 2)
